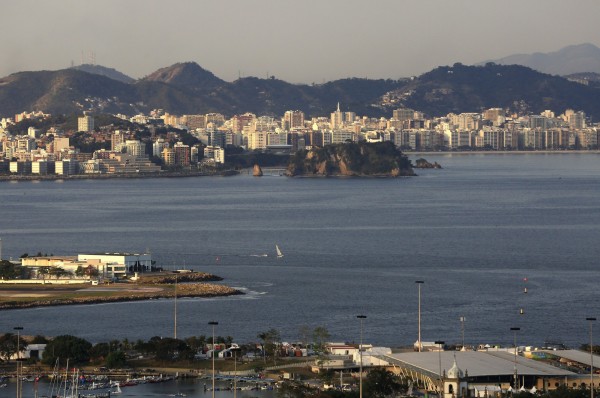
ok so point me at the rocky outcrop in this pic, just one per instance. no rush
(257, 171)
(351, 159)
(424, 164)
(163, 279)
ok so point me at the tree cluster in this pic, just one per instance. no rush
(8, 270)
(114, 353)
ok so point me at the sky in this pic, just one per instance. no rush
(308, 41)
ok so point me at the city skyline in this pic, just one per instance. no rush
(300, 42)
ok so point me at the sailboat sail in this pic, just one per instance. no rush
(279, 253)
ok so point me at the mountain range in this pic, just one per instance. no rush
(579, 58)
(183, 88)
(187, 88)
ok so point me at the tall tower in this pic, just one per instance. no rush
(337, 118)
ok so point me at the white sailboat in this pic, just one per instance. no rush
(279, 253)
(116, 389)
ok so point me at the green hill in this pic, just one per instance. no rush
(460, 88)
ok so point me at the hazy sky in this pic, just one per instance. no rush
(298, 41)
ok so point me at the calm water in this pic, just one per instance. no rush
(191, 388)
(472, 231)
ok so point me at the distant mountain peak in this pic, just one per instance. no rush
(186, 75)
(104, 71)
(577, 58)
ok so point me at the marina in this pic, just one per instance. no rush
(174, 388)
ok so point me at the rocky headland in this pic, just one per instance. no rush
(381, 159)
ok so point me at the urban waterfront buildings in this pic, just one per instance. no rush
(494, 129)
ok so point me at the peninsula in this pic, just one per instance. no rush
(16, 296)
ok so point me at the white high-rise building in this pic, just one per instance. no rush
(158, 146)
(293, 120)
(135, 148)
(85, 123)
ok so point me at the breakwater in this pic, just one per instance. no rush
(189, 284)
(187, 290)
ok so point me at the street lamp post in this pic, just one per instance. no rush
(419, 283)
(516, 376)
(462, 330)
(440, 344)
(235, 351)
(591, 358)
(360, 350)
(18, 329)
(213, 324)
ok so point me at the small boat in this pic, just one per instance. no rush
(279, 253)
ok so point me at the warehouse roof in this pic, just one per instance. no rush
(474, 363)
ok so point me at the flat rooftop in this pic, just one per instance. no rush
(475, 363)
(114, 254)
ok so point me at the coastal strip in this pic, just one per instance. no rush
(76, 177)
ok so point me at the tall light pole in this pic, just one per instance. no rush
(235, 351)
(18, 329)
(591, 358)
(419, 283)
(213, 324)
(440, 344)
(360, 349)
(515, 330)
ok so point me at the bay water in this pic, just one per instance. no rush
(478, 232)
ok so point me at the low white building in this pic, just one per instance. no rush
(121, 263)
(31, 351)
(67, 263)
(371, 355)
(341, 349)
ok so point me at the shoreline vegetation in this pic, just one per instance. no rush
(189, 285)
